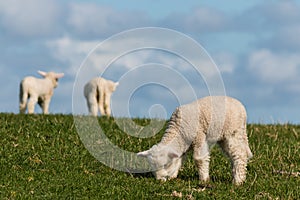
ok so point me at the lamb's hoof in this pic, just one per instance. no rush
(238, 183)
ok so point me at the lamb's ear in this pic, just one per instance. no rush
(173, 154)
(59, 75)
(42, 73)
(116, 84)
(143, 153)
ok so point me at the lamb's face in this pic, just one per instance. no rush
(169, 170)
(113, 86)
(52, 76)
(165, 163)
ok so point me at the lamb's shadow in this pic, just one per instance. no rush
(139, 173)
(143, 175)
(187, 177)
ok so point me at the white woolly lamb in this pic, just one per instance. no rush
(38, 91)
(200, 125)
(97, 93)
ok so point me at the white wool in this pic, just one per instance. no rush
(38, 91)
(98, 92)
(199, 125)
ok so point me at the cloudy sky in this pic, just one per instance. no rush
(254, 44)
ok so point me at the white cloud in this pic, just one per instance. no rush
(30, 18)
(273, 25)
(70, 51)
(285, 39)
(281, 12)
(200, 19)
(268, 16)
(205, 18)
(139, 50)
(225, 62)
(94, 20)
(73, 52)
(274, 67)
(89, 18)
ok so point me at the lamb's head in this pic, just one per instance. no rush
(113, 86)
(164, 160)
(52, 76)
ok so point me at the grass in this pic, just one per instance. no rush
(42, 157)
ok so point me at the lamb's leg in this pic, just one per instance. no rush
(92, 105)
(41, 103)
(246, 144)
(107, 104)
(31, 103)
(234, 147)
(176, 166)
(23, 100)
(45, 105)
(22, 108)
(101, 103)
(202, 158)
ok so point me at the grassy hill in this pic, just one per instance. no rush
(42, 157)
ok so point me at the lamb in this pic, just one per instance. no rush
(98, 92)
(38, 91)
(210, 120)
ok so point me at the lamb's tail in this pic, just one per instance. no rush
(23, 96)
(98, 93)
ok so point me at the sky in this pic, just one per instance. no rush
(255, 46)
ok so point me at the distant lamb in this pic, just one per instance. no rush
(38, 91)
(98, 92)
(199, 125)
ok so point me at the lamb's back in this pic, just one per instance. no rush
(219, 115)
(212, 115)
(36, 85)
(215, 114)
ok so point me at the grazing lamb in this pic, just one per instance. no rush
(199, 125)
(38, 91)
(97, 93)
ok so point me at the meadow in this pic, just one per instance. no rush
(42, 157)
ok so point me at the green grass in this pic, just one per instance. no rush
(42, 157)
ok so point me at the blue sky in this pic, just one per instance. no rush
(255, 44)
